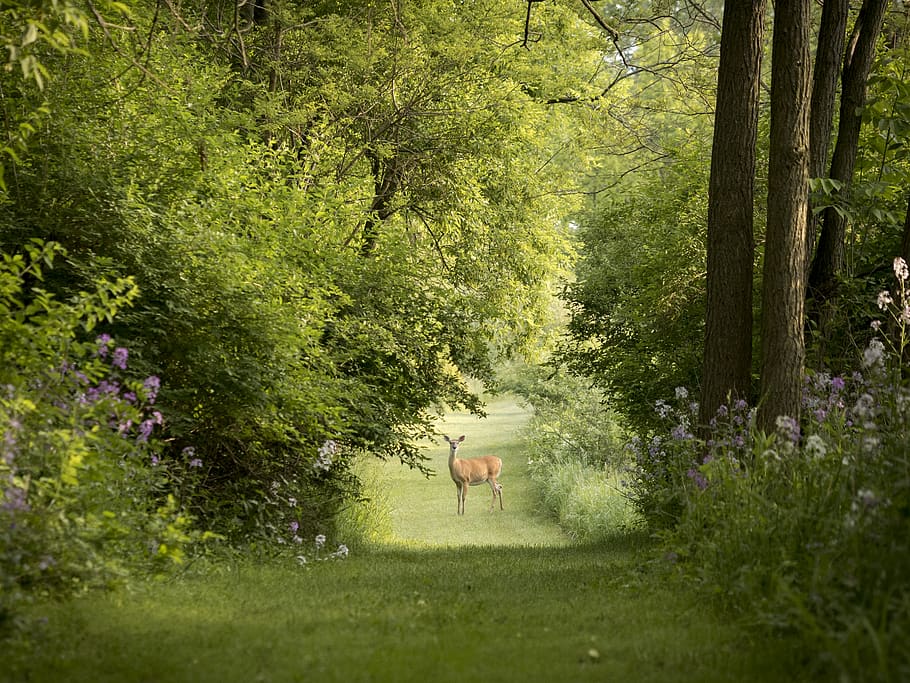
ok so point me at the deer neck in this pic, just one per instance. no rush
(453, 459)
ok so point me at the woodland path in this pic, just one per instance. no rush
(423, 510)
(498, 598)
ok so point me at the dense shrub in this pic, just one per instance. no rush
(576, 454)
(84, 494)
(571, 421)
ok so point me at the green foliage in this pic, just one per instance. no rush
(81, 498)
(333, 214)
(637, 306)
(589, 503)
(571, 421)
(576, 453)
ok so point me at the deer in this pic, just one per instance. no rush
(473, 472)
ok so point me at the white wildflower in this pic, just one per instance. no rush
(884, 299)
(682, 393)
(864, 408)
(325, 456)
(867, 497)
(900, 269)
(874, 353)
(816, 447)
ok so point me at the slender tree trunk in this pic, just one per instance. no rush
(828, 55)
(386, 179)
(782, 344)
(727, 366)
(905, 238)
(829, 257)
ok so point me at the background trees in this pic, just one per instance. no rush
(333, 213)
(730, 364)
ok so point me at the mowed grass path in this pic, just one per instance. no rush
(423, 510)
(484, 597)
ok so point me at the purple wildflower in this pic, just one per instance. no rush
(680, 433)
(14, 500)
(195, 462)
(120, 356)
(103, 341)
(152, 383)
(788, 428)
(145, 430)
(697, 478)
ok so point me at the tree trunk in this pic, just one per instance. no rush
(828, 55)
(905, 238)
(727, 366)
(829, 257)
(782, 344)
(386, 179)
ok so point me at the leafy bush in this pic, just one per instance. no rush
(637, 304)
(588, 502)
(84, 496)
(571, 422)
(577, 455)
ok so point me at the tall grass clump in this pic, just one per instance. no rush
(576, 454)
(806, 529)
(366, 520)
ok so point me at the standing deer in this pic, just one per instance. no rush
(473, 471)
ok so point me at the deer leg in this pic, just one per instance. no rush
(499, 491)
(464, 494)
(492, 483)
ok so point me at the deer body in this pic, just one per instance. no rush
(473, 472)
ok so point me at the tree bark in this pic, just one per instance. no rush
(386, 180)
(829, 256)
(782, 343)
(727, 368)
(828, 55)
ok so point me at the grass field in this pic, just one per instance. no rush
(494, 597)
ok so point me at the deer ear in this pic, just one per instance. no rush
(461, 438)
(448, 440)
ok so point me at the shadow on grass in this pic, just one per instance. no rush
(406, 613)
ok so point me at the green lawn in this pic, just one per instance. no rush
(483, 597)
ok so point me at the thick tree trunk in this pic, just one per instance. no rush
(727, 366)
(829, 256)
(783, 347)
(828, 55)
